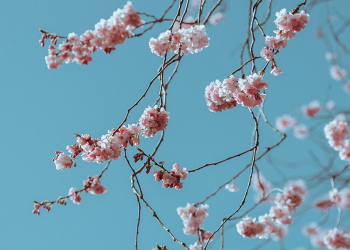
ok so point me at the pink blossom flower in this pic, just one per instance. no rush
(330, 105)
(334, 196)
(106, 35)
(344, 153)
(335, 239)
(301, 131)
(299, 21)
(267, 54)
(205, 235)
(285, 122)
(232, 187)
(73, 195)
(62, 161)
(171, 179)
(153, 120)
(335, 132)
(250, 228)
(337, 73)
(275, 70)
(344, 198)
(311, 229)
(192, 217)
(219, 96)
(187, 40)
(195, 247)
(283, 20)
(330, 56)
(216, 18)
(346, 87)
(276, 42)
(324, 203)
(311, 109)
(93, 185)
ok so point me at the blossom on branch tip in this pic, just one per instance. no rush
(153, 120)
(93, 185)
(192, 217)
(231, 187)
(62, 161)
(311, 109)
(106, 35)
(187, 40)
(337, 73)
(74, 196)
(301, 131)
(285, 122)
(171, 179)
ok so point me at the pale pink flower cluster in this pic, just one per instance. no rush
(337, 73)
(216, 18)
(94, 150)
(288, 25)
(336, 131)
(330, 56)
(231, 187)
(99, 150)
(187, 40)
(74, 196)
(285, 122)
(346, 87)
(342, 198)
(192, 217)
(196, 246)
(274, 224)
(311, 109)
(93, 185)
(107, 34)
(171, 179)
(330, 105)
(301, 131)
(332, 239)
(62, 161)
(233, 91)
(336, 239)
(153, 120)
(262, 229)
(287, 202)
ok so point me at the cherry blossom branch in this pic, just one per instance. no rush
(151, 209)
(336, 37)
(249, 182)
(228, 158)
(159, 20)
(170, 61)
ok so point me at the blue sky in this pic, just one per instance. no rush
(41, 109)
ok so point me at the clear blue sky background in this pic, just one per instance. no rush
(41, 108)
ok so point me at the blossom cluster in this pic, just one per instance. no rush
(274, 224)
(106, 35)
(287, 122)
(332, 239)
(153, 120)
(186, 40)
(288, 25)
(192, 217)
(233, 91)
(342, 198)
(92, 185)
(336, 131)
(95, 150)
(171, 179)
